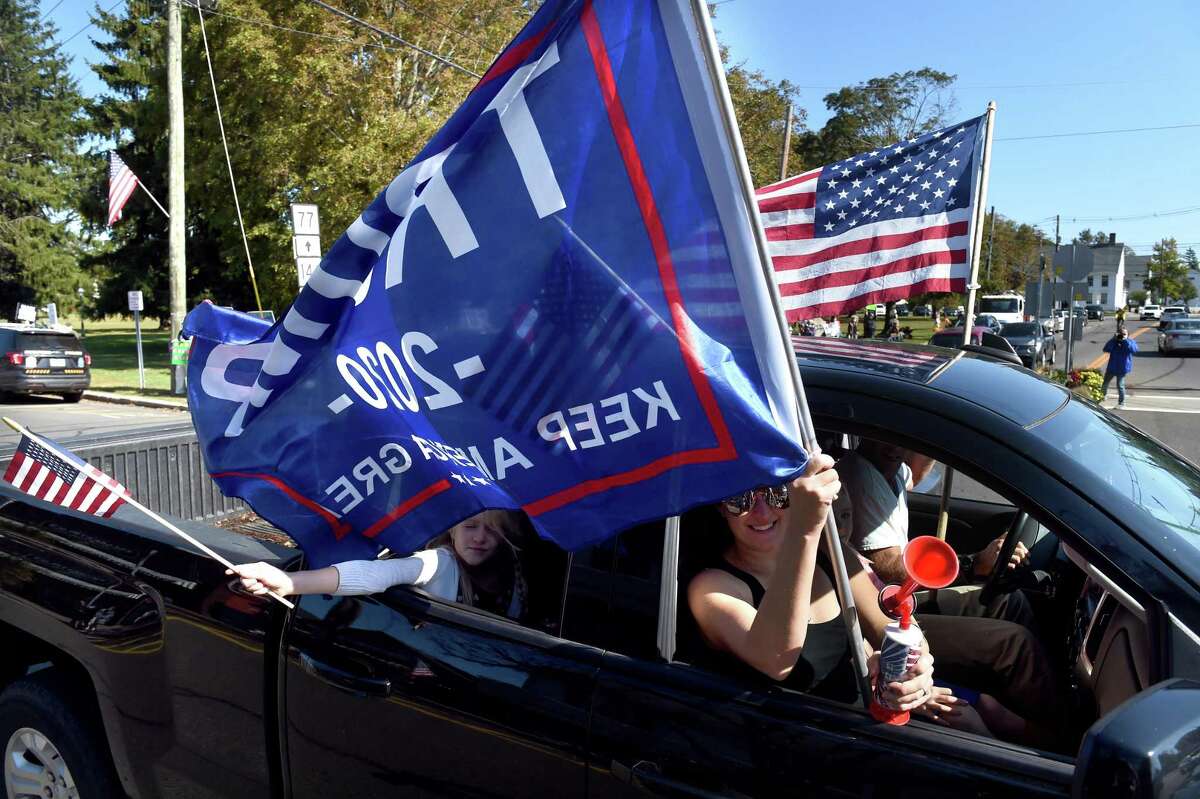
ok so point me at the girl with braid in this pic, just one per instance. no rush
(474, 563)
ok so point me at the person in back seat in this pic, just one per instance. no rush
(765, 600)
(475, 563)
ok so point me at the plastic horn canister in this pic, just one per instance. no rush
(930, 563)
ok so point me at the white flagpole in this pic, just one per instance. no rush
(142, 186)
(807, 431)
(985, 164)
(129, 499)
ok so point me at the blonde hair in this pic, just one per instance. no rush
(507, 526)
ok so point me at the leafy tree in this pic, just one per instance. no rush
(761, 109)
(1090, 239)
(1168, 274)
(39, 134)
(1014, 255)
(1191, 260)
(309, 118)
(879, 112)
(1137, 298)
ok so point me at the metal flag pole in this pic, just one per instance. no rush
(985, 166)
(134, 503)
(972, 285)
(142, 186)
(807, 431)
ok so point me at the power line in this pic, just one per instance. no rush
(394, 37)
(486, 48)
(314, 34)
(90, 24)
(1098, 132)
(1152, 215)
(52, 10)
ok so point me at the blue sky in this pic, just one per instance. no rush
(1113, 65)
(1051, 68)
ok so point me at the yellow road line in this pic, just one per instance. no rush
(1102, 357)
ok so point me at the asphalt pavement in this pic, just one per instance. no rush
(65, 422)
(1163, 390)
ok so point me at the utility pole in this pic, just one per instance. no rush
(1041, 283)
(787, 144)
(1057, 239)
(991, 238)
(176, 263)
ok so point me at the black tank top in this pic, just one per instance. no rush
(823, 668)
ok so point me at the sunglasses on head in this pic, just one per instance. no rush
(740, 505)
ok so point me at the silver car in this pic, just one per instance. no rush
(1180, 336)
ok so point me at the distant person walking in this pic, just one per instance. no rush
(1121, 317)
(1120, 349)
(852, 326)
(869, 324)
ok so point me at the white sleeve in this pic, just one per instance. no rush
(428, 568)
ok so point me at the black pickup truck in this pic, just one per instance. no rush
(132, 666)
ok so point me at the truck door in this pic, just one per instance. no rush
(405, 693)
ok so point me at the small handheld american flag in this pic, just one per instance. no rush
(121, 183)
(45, 470)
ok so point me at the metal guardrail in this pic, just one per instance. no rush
(162, 467)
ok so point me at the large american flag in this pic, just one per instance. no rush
(879, 226)
(121, 183)
(52, 474)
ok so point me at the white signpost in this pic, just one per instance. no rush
(136, 305)
(306, 239)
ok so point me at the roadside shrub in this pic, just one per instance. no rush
(1085, 382)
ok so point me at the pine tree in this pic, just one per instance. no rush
(40, 130)
(329, 117)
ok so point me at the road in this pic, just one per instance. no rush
(64, 422)
(1164, 391)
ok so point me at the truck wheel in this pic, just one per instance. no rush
(72, 396)
(51, 748)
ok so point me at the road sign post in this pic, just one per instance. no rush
(136, 305)
(306, 239)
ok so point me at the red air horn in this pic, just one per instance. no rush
(930, 563)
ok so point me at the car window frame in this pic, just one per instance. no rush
(1043, 761)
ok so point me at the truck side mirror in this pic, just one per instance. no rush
(1149, 746)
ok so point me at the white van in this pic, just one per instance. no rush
(1006, 307)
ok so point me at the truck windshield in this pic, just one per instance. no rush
(1154, 480)
(998, 305)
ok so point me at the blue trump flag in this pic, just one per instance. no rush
(558, 307)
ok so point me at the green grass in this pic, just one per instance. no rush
(112, 344)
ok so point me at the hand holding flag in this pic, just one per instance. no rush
(49, 472)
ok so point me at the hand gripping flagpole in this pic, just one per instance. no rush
(807, 431)
(133, 502)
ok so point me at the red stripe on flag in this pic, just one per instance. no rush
(653, 223)
(788, 202)
(790, 232)
(60, 494)
(956, 285)
(725, 449)
(48, 486)
(14, 466)
(407, 505)
(891, 241)
(81, 502)
(339, 527)
(515, 56)
(783, 184)
(852, 277)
